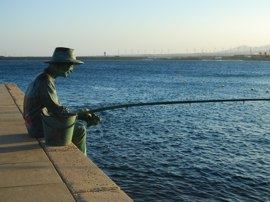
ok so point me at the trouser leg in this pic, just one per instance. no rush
(79, 136)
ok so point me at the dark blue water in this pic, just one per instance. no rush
(200, 152)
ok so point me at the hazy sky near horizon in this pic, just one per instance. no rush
(35, 28)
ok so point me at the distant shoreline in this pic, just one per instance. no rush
(159, 57)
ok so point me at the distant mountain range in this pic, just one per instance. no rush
(238, 51)
(247, 50)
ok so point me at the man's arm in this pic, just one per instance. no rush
(50, 100)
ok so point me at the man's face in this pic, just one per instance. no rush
(65, 69)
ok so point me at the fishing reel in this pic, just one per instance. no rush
(89, 117)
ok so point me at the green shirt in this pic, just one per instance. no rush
(41, 93)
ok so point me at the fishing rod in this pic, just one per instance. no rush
(140, 104)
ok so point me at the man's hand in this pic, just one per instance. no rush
(89, 117)
(93, 120)
(83, 114)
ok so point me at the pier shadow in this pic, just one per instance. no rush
(15, 138)
(19, 148)
(17, 142)
(25, 166)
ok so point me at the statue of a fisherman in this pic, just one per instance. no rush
(41, 93)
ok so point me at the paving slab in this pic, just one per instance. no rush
(13, 129)
(23, 174)
(45, 192)
(12, 118)
(17, 95)
(22, 153)
(9, 109)
(6, 101)
(15, 138)
(5, 98)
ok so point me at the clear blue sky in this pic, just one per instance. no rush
(33, 27)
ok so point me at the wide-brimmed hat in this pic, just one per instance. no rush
(64, 55)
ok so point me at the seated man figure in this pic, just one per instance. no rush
(41, 93)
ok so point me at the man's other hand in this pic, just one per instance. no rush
(89, 117)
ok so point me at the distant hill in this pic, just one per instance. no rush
(260, 52)
(247, 50)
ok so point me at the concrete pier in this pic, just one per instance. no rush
(31, 171)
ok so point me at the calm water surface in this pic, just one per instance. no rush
(200, 152)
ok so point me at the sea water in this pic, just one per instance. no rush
(198, 152)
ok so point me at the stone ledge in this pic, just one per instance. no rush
(108, 196)
(80, 173)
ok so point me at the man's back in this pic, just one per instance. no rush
(40, 93)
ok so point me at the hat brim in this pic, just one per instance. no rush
(75, 62)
